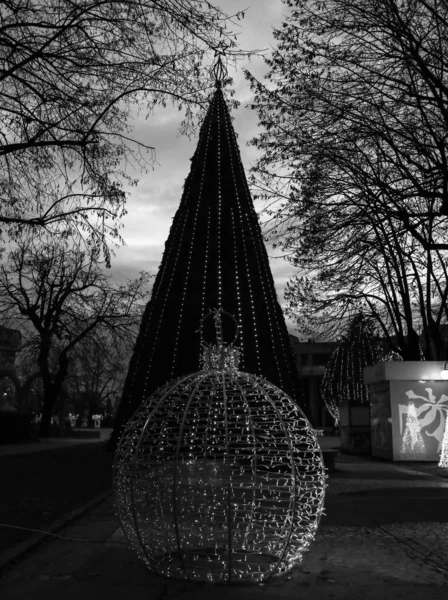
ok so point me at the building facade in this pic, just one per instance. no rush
(10, 340)
(311, 359)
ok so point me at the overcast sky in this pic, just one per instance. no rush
(154, 202)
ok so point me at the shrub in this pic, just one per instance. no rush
(16, 427)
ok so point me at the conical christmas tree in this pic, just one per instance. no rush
(214, 258)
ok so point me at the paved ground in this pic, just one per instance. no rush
(47, 444)
(44, 482)
(384, 536)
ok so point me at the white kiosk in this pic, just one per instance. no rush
(409, 405)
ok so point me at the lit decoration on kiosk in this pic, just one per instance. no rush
(443, 462)
(218, 476)
(412, 438)
(430, 413)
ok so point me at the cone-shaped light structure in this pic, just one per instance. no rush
(214, 258)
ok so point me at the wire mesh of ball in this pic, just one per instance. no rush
(218, 476)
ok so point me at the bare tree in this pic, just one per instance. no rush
(364, 261)
(72, 73)
(27, 376)
(354, 158)
(97, 371)
(66, 297)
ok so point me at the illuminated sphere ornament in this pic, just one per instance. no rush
(218, 476)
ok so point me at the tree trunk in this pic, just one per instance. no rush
(52, 385)
(48, 400)
(62, 411)
(412, 349)
(435, 350)
(23, 390)
(47, 411)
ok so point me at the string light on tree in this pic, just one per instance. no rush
(332, 387)
(218, 476)
(343, 379)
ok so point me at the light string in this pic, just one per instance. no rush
(219, 232)
(168, 269)
(61, 537)
(233, 149)
(238, 289)
(259, 250)
(186, 275)
(206, 259)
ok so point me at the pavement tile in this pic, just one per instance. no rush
(377, 552)
(385, 537)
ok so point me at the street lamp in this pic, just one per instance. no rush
(444, 371)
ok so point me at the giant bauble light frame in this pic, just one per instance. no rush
(218, 476)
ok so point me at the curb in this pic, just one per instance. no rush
(7, 451)
(437, 474)
(22, 548)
